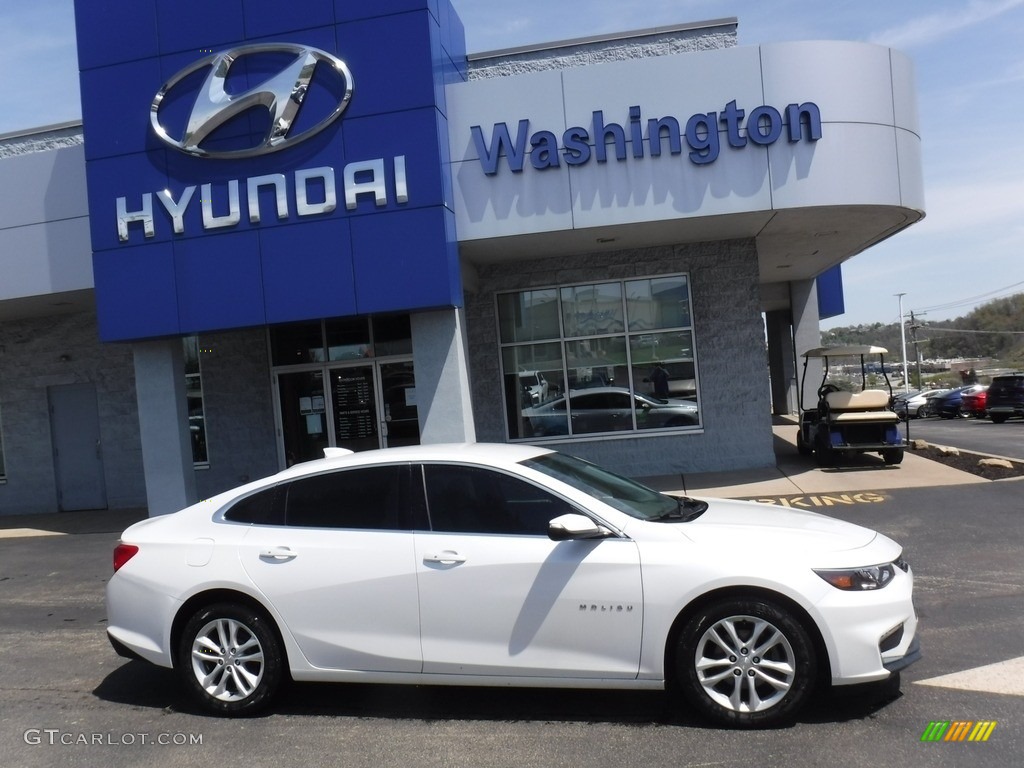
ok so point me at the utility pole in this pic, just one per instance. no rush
(917, 346)
(903, 341)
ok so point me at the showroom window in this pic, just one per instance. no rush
(599, 358)
(194, 395)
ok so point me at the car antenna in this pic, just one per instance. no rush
(682, 477)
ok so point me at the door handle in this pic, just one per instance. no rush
(448, 557)
(278, 553)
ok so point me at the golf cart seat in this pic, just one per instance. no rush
(869, 405)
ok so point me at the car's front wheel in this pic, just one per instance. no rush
(746, 663)
(230, 660)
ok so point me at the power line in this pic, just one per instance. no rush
(966, 330)
(967, 301)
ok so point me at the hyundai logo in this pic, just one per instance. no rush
(282, 94)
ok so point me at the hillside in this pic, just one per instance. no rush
(993, 330)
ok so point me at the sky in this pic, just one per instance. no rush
(969, 63)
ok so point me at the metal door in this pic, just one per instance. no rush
(77, 450)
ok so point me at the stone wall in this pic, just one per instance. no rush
(239, 409)
(53, 351)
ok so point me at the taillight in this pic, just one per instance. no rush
(122, 554)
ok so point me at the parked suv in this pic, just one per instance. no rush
(1006, 397)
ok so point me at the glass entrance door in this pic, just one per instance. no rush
(361, 407)
(398, 397)
(303, 415)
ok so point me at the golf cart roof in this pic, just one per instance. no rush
(845, 351)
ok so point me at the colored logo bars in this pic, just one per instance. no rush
(958, 730)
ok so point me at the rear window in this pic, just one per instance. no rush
(1007, 383)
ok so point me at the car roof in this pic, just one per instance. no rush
(849, 349)
(491, 454)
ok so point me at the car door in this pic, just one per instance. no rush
(499, 598)
(601, 411)
(340, 570)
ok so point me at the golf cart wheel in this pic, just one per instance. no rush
(892, 455)
(824, 454)
(801, 445)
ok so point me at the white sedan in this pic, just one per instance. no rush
(504, 565)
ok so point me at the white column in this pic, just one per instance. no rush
(803, 301)
(442, 377)
(163, 425)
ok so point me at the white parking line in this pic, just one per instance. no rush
(1003, 677)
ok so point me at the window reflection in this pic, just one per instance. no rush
(622, 358)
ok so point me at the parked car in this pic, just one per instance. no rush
(974, 403)
(507, 565)
(609, 409)
(915, 405)
(1006, 397)
(534, 386)
(949, 404)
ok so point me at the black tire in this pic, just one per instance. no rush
(997, 418)
(921, 412)
(230, 660)
(801, 445)
(893, 455)
(824, 454)
(760, 684)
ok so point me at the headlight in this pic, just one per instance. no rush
(857, 579)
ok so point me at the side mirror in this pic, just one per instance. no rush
(573, 526)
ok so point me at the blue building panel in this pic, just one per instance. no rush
(346, 10)
(201, 26)
(114, 31)
(412, 243)
(264, 18)
(831, 301)
(141, 283)
(304, 221)
(325, 286)
(221, 282)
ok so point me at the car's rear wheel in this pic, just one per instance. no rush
(746, 663)
(230, 660)
(997, 418)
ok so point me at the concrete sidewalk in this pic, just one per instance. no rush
(799, 475)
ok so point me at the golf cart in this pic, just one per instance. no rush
(849, 418)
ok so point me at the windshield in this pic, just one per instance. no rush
(623, 494)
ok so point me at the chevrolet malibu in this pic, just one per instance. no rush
(502, 565)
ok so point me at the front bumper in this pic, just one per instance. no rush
(913, 654)
(871, 635)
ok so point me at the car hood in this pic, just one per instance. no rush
(784, 533)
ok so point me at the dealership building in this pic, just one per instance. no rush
(292, 228)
